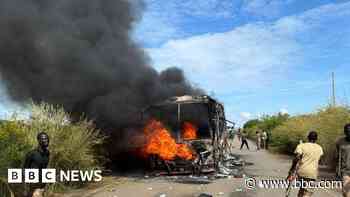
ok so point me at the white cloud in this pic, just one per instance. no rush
(163, 20)
(284, 111)
(247, 56)
(254, 56)
(156, 29)
(245, 116)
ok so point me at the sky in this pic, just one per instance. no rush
(255, 56)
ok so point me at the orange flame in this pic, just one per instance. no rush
(160, 142)
(189, 131)
(184, 152)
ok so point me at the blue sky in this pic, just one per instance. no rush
(256, 56)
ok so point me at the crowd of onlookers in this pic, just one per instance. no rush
(261, 138)
(305, 165)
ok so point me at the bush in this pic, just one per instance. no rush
(5, 189)
(328, 122)
(286, 132)
(266, 123)
(13, 145)
(286, 136)
(72, 144)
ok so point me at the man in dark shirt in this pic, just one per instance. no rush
(38, 159)
(244, 141)
(343, 154)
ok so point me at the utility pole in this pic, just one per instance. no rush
(333, 90)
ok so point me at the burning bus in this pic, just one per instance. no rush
(184, 134)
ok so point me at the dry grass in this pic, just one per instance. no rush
(328, 122)
(72, 145)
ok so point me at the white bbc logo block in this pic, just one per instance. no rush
(14, 175)
(31, 175)
(48, 175)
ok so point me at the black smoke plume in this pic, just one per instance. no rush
(79, 54)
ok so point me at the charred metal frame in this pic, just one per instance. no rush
(217, 128)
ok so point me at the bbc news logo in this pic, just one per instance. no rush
(52, 176)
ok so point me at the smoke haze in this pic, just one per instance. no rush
(79, 54)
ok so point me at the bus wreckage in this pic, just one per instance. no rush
(188, 135)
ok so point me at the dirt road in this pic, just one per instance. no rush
(263, 165)
(274, 166)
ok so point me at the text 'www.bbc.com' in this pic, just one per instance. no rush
(252, 183)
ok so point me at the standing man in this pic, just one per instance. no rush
(37, 159)
(307, 158)
(263, 139)
(268, 136)
(343, 159)
(244, 136)
(258, 140)
(231, 138)
(239, 134)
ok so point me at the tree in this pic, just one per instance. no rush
(251, 124)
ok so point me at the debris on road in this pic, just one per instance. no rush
(205, 195)
(192, 179)
(230, 166)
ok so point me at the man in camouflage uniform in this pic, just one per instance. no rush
(343, 158)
